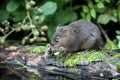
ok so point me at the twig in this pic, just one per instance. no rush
(103, 32)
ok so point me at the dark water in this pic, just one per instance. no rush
(8, 72)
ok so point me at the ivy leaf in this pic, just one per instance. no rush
(12, 6)
(49, 8)
(93, 13)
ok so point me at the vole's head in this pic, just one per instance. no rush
(60, 38)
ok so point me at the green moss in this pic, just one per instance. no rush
(88, 56)
(74, 59)
(96, 56)
(35, 50)
(118, 67)
(92, 55)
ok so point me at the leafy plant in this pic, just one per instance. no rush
(118, 3)
(37, 20)
(28, 17)
(99, 10)
(118, 37)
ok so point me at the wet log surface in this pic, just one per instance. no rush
(15, 62)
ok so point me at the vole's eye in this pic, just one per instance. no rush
(57, 38)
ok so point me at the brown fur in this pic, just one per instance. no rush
(79, 35)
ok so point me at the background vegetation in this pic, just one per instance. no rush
(31, 21)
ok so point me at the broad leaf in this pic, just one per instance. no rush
(49, 8)
(104, 18)
(64, 17)
(12, 6)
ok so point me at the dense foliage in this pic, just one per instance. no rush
(31, 21)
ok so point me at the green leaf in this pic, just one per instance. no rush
(18, 15)
(108, 1)
(113, 18)
(64, 17)
(101, 10)
(88, 17)
(118, 32)
(97, 0)
(82, 14)
(42, 18)
(100, 5)
(49, 8)
(119, 44)
(12, 6)
(3, 15)
(104, 18)
(118, 37)
(90, 4)
(119, 12)
(85, 9)
(93, 13)
(50, 31)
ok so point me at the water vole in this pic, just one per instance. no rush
(78, 35)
